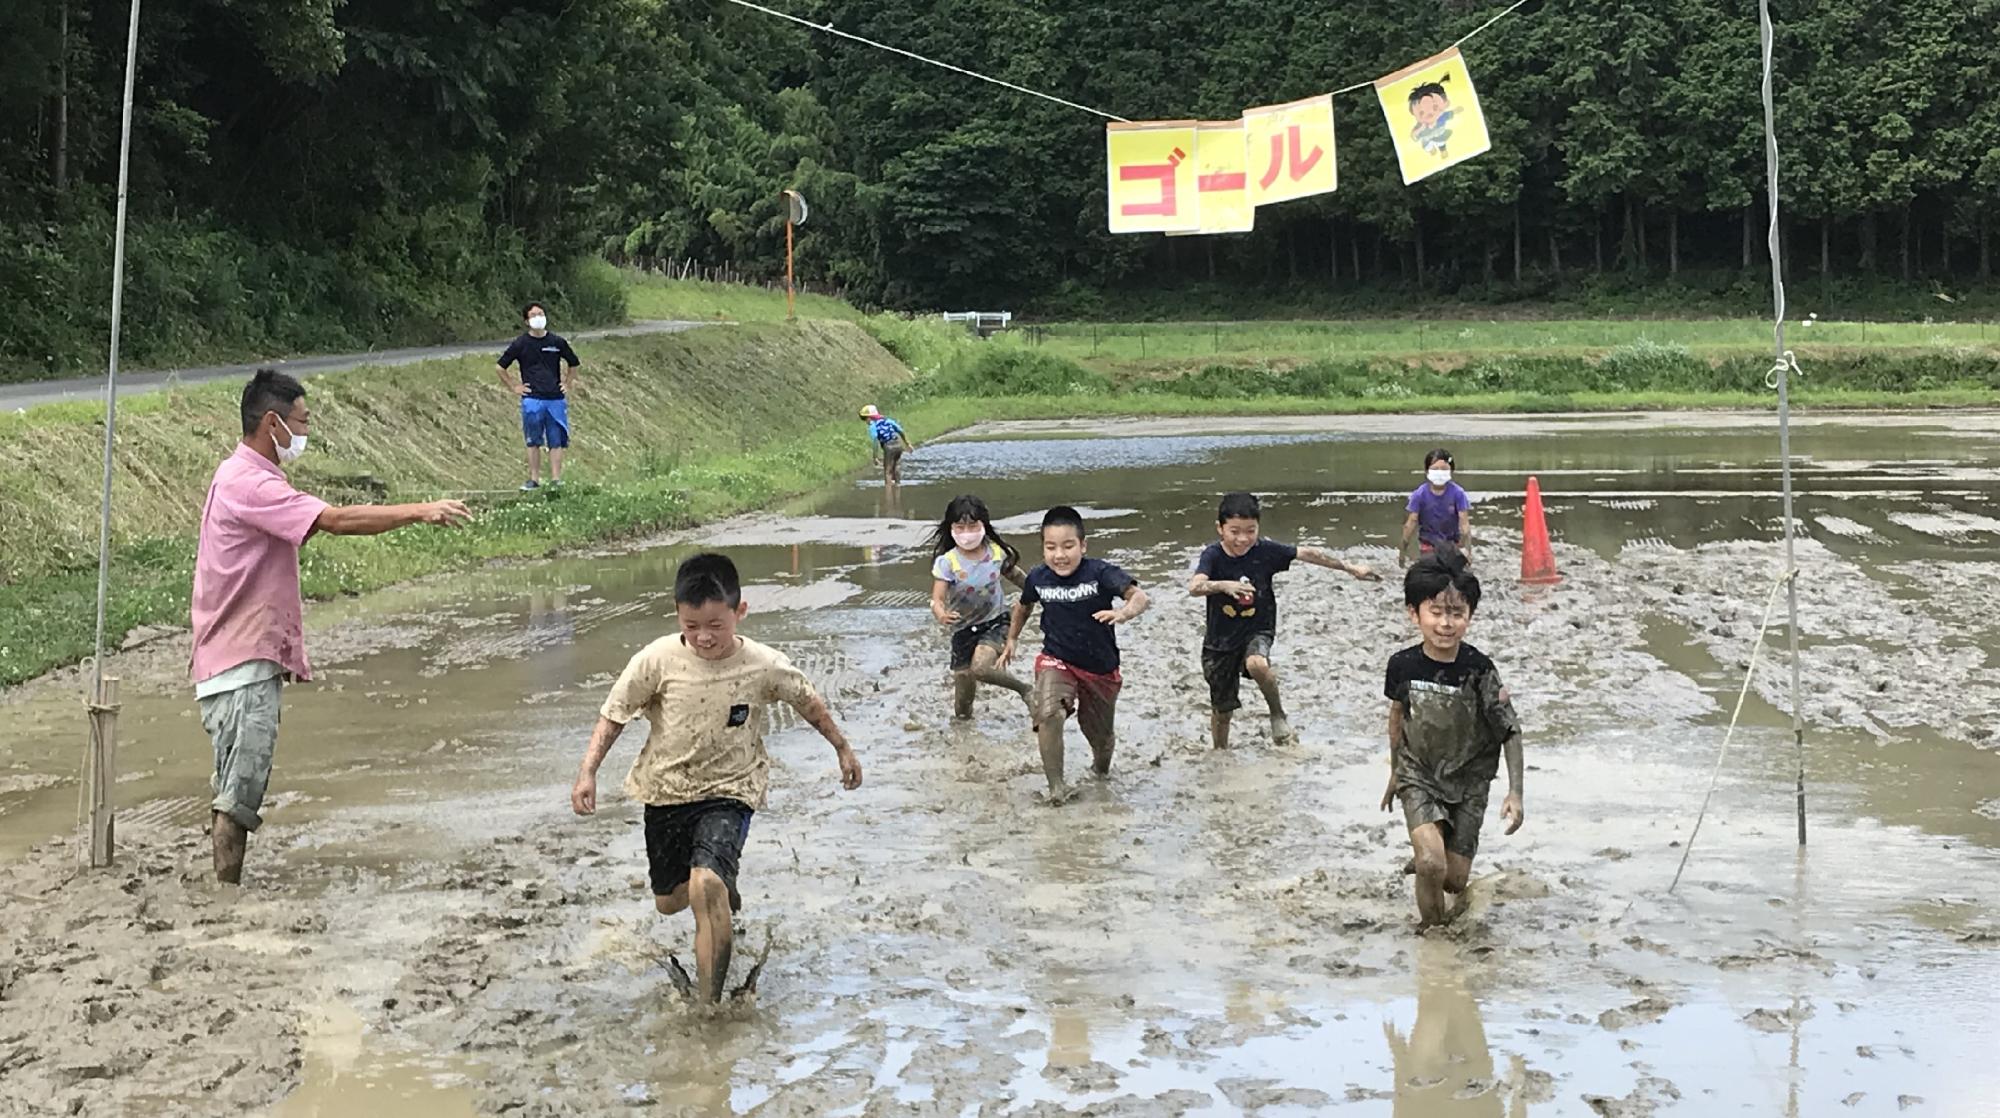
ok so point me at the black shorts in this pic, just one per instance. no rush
(1225, 670)
(1459, 821)
(708, 833)
(966, 641)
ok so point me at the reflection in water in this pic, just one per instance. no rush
(1069, 1038)
(343, 1074)
(695, 1065)
(889, 505)
(1444, 1068)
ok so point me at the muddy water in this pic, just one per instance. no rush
(429, 931)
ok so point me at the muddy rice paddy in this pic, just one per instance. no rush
(425, 929)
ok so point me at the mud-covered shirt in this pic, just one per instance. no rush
(1071, 631)
(972, 587)
(1456, 718)
(1231, 624)
(708, 720)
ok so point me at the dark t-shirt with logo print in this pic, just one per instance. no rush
(1231, 624)
(1070, 629)
(541, 361)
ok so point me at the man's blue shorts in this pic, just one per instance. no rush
(545, 422)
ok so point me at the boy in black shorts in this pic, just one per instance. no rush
(1450, 721)
(1234, 574)
(703, 769)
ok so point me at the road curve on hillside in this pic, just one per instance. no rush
(35, 393)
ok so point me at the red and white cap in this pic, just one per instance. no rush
(871, 412)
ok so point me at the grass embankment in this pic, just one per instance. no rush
(650, 296)
(671, 430)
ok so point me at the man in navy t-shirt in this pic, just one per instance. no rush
(1077, 672)
(548, 365)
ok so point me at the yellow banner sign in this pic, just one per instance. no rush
(1290, 151)
(1433, 115)
(1221, 179)
(1151, 175)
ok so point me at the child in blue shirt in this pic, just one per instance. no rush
(890, 443)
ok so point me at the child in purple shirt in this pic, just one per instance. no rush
(1439, 511)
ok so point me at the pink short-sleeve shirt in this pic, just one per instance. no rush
(247, 604)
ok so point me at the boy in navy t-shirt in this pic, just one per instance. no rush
(1234, 574)
(1077, 671)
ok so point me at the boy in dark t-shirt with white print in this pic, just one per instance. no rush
(1235, 574)
(1450, 722)
(1082, 599)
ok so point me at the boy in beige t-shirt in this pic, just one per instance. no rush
(703, 769)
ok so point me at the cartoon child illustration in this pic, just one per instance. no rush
(1430, 107)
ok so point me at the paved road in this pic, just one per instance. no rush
(19, 396)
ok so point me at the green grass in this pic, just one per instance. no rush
(1172, 345)
(650, 296)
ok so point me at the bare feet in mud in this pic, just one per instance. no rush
(1281, 731)
(1059, 794)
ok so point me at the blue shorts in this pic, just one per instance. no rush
(545, 422)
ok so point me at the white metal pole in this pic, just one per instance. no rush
(99, 762)
(1783, 368)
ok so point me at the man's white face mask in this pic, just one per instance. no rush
(538, 322)
(290, 452)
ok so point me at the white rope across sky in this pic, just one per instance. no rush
(1003, 83)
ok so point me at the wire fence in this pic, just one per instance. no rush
(1170, 340)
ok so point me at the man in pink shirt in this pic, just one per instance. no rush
(249, 631)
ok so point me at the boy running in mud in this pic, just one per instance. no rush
(1235, 574)
(703, 770)
(1450, 721)
(1077, 670)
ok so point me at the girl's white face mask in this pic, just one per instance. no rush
(538, 322)
(1439, 477)
(968, 539)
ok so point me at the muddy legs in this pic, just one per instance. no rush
(1266, 677)
(962, 687)
(1441, 876)
(1432, 866)
(985, 669)
(714, 935)
(230, 842)
(1050, 737)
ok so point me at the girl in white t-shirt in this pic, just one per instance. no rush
(970, 566)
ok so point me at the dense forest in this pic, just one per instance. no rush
(321, 173)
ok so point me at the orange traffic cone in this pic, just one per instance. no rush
(1538, 563)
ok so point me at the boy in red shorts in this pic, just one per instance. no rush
(1077, 672)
